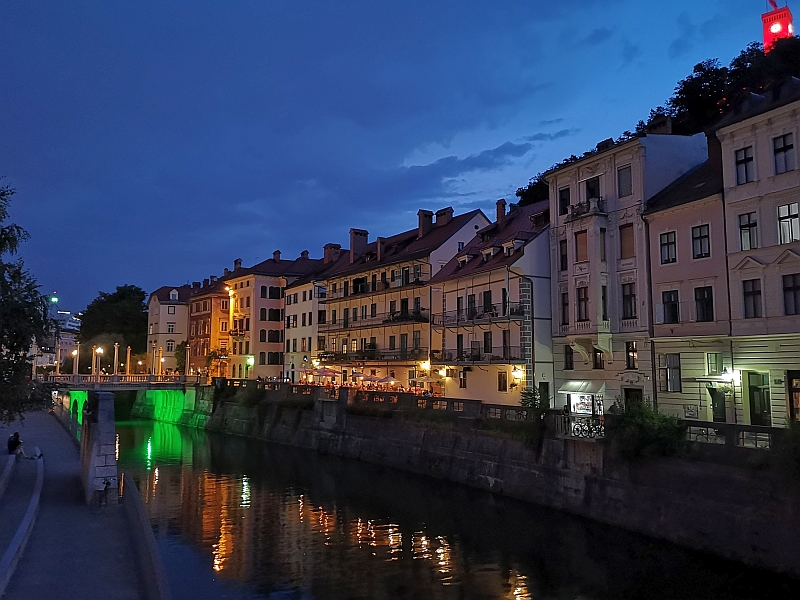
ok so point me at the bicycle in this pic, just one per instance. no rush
(100, 497)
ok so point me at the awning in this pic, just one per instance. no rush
(582, 387)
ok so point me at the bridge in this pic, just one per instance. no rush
(110, 383)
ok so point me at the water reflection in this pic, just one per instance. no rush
(276, 522)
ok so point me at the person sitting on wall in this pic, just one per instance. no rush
(15, 447)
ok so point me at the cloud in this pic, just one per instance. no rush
(630, 52)
(551, 122)
(597, 37)
(549, 137)
(691, 34)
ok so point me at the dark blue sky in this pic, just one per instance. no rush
(154, 142)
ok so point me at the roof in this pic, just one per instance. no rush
(278, 268)
(217, 287)
(700, 182)
(322, 271)
(753, 105)
(517, 225)
(402, 247)
(162, 294)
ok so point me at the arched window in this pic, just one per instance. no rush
(170, 345)
(262, 314)
(263, 291)
(274, 335)
(262, 358)
(262, 336)
(274, 314)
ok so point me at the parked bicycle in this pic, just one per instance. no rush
(100, 498)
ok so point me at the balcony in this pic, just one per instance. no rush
(380, 288)
(470, 356)
(237, 333)
(592, 206)
(373, 355)
(494, 313)
(396, 318)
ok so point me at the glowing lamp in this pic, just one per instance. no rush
(516, 373)
(74, 353)
(99, 351)
(425, 366)
(251, 360)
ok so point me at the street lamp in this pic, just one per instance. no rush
(77, 358)
(99, 353)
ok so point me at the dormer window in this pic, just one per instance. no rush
(173, 295)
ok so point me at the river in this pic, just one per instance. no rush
(242, 519)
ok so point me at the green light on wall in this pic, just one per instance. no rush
(168, 405)
(77, 400)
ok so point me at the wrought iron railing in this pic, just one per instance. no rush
(481, 314)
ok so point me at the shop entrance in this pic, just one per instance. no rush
(793, 383)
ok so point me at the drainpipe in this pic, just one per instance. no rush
(728, 290)
(651, 325)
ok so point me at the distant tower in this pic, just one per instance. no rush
(777, 24)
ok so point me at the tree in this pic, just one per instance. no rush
(119, 316)
(180, 357)
(23, 320)
(536, 190)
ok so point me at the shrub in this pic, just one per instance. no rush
(786, 451)
(640, 431)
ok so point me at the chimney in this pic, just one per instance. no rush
(205, 283)
(225, 271)
(237, 264)
(501, 211)
(714, 149)
(380, 246)
(444, 216)
(276, 256)
(196, 285)
(304, 254)
(213, 279)
(358, 243)
(605, 145)
(330, 253)
(425, 222)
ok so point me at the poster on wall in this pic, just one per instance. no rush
(581, 404)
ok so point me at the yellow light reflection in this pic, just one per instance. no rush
(223, 548)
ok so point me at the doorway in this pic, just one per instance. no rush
(717, 404)
(632, 397)
(793, 383)
(758, 388)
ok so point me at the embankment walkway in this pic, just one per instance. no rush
(71, 553)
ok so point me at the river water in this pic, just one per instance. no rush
(242, 519)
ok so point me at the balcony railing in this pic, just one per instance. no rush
(373, 354)
(380, 287)
(502, 356)
(237, 333)
(482, 314)
(398, 317)
(592, 206)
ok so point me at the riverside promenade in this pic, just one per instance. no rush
(71, 553)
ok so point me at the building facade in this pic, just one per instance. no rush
(491, 314)
(209, 312)
(599, 266)
(167, 326)
(378, 300)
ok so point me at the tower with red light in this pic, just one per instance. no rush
(777, 24)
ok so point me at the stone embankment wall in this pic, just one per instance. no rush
(746, 515)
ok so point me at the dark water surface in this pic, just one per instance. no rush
(242, 519)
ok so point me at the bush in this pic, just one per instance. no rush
(786, 451)
(640, 431)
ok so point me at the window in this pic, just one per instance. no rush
(669, 253)
(745, 167)
(170, 345)
(791, 294)
(783, 149)
(173, 295)
(303, 320)
(704, 303)
(751, 290)
(263, 295)
(170, 310)
(355, 314)
(631, 356)
(563, 201)
(562, 255)
(460, 246)
(321, 342)
(302, 344)
(192, 329)
(392, 342)
(224, 305)
(262, 335)
(593, 188)
(170, 327)
(748, 231)
(788, 223)
(274, 358)
(604, 302)
(701, 242)
(373, 310)
(309, 318)
(262, 314)
(274, 314)
(714, 363)
(627, 247)
(565, 308)
(304, 296)
(487, 342)
(671, 311)
(628, 300)
(462, 379)
(597, 359)
(262, 357)
(392, 306)
(274, 336)
(502, 381)
(223, 326)
(247, 302)
(321, 315)
(581, 248)
(363, 311)
(150, 329)
(417, 339)
(417, 271)
(333, 317)
(602, 244)
(569, 358)
(583, 304)
(624, 181)
(671, 373)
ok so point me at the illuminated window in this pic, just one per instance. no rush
(788, 223)
(631, 356)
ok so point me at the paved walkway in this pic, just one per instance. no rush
(71, 553)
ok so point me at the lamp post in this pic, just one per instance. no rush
(153, 358)
(116, 357)
(99, 353)
(77, 354)
(128, 361)
(58, 358)
(160, 359)
(140, 366)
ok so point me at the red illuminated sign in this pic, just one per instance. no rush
(777, 24)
